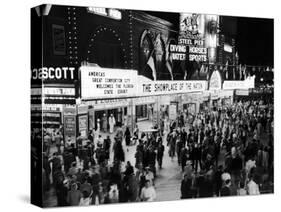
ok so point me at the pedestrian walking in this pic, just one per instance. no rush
(127, 135)
(112, 122)
(148, 193)
(160, 154)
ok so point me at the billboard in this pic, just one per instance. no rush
(199, 33)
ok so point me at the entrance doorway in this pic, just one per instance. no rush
(102, 116)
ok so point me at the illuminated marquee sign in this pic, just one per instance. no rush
(111, 13)
(192, 25)
(227, 48)
(53, 95)
(242, 92)
(53, 91)
(195, 48)
(192, 29)
(104, 83)
(53, 73)
(102, 104)
(99, 82)
(215, 82)
(178, 52)
(239, 84)
(171, 87)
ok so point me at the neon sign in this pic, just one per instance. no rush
(111, 13)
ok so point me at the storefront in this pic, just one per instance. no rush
(205, 103)
(101, 110)
(50, 116)
(264, 94)
(226, 97)
(164, 102)
(237, 90)
(145, 110)
(191, 102)
(241, 95)
(52, 88)
(132, 99)
(174, 95)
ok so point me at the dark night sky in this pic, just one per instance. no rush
(169, 16)
(255, 41)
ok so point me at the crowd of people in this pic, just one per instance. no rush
(225, 152)
(83, 173)
(220, 151)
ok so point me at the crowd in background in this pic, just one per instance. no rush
(221, 151)
(229, 147)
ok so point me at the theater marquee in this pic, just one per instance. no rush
(171, 87)
(99, 82)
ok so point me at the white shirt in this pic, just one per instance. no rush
(111, 120)
(249, 165)
(86, 201)
(242, 192)
(148, 194)
(253, 188)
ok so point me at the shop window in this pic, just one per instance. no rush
(125, 111)
(103, 116)
(164, 111)
(190, 108)
(142, 112)
(51, 119)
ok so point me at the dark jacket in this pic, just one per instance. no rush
(186, 189)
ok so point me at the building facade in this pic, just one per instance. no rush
(175, 68)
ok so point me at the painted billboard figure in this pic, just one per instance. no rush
(190, 24)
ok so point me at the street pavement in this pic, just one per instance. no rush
(168, 179)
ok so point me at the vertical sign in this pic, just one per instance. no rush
(173, 111)
(215, 82)
(91, 119)
(83, 125)
(59, 46)
(69, 120)
(82, 111)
